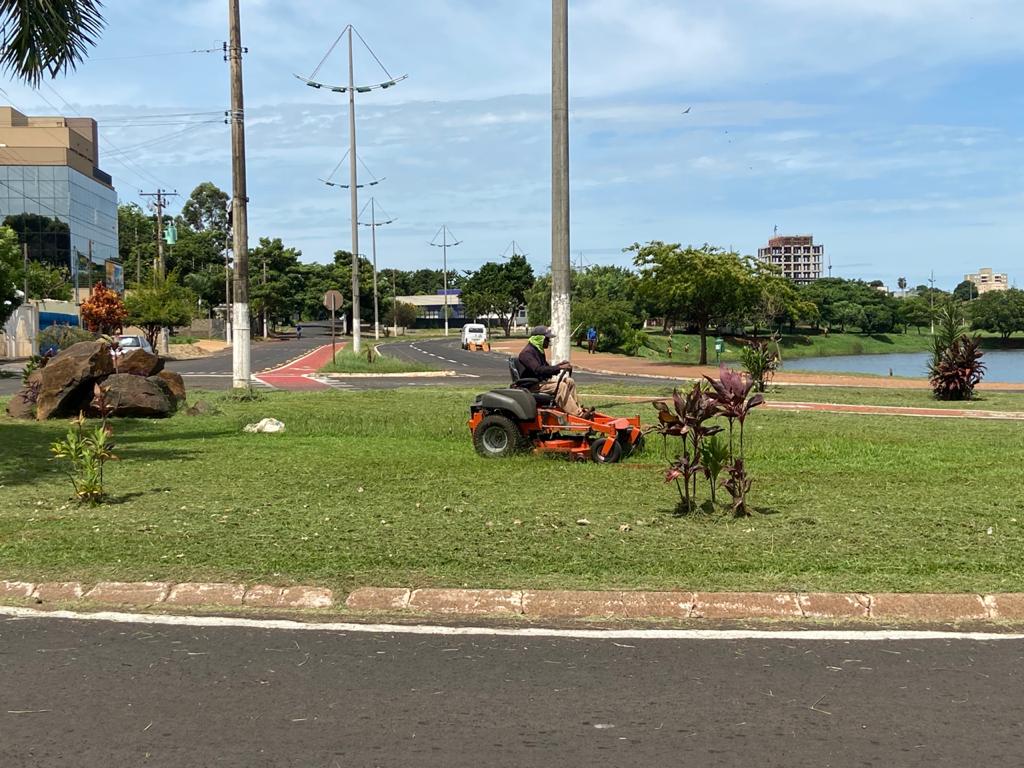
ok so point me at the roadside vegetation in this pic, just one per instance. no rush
(384, 488)
(369, 361)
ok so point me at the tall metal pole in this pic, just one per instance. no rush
(373, 239)
(560, 272)
(241, 362)
(353, 183)
(931, 300)
(394, 304)
(444, 248)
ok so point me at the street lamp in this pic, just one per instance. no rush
(445, 245)
(352, 89)
(373, 235)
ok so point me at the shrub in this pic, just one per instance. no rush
(958, 370)
(58, 337)
(760, 362)
(103, 311)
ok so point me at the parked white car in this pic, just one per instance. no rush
(127, 344)
(473, 333)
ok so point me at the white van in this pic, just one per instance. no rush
(473, 333)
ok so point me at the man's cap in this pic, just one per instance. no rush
(542, 330)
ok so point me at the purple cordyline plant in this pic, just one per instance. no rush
(692, 412)
(729, 393)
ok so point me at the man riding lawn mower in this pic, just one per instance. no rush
(540, 412)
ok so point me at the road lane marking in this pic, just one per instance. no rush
(835, 635)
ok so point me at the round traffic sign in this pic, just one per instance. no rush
(333, 300)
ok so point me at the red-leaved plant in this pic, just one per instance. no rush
(729, 392)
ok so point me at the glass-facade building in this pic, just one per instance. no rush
(53, 194)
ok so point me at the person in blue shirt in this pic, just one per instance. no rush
(591, 340)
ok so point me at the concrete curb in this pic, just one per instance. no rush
(539, 604)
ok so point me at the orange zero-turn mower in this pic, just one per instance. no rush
(504, 422)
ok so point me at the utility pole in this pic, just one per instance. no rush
(158, 205)
(227, 288)
(265, 334)
(241, 363)
(444, 245)
(159, 264)
(560, 267)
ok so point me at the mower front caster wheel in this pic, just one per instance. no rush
(597, 451)
(497, 437)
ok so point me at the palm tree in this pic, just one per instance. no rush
(902, 283)
(50, 37)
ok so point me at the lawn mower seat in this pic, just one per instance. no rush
(522, 382)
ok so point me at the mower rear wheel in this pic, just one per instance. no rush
(636, 447)
(597, 451)
(497, 437)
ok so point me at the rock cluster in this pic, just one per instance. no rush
(87, 378)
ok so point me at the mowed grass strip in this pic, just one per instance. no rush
(383, 488)
(985, 400)
(347, 361)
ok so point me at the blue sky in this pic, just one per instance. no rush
(890, 129)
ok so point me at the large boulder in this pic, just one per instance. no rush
(128, 395)
(174, 383)
(22, 405)
(138, 362)
(66, 382)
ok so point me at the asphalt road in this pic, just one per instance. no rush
(102, 695)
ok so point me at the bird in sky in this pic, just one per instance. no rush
(686, 111)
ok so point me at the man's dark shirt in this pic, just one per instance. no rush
(536, 366)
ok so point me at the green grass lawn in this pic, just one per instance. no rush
(916, 398)
(349, 362)
(796, 346)
(383, 488)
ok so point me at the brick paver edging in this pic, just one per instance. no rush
(545, 604)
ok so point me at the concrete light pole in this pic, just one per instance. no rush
(241, 350)
(560, 267)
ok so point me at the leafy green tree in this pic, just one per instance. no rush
(917, 312)
(206, 210)
(400, 314)
(136, 241)
(10, 266)
(207, 284)
(40, 38)
(877, 318)
(703, 286)
(965, 291)
(846, 313)
(498, 289)
(163, 304)
(828, 292)
(46, 282)
(1000, 312)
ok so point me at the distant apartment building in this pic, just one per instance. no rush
(53, 192)
(796, 255)
(986, 280)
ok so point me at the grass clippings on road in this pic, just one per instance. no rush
(383, 488)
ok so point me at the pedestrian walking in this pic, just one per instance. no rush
(591, 340)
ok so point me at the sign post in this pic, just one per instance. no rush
(719, 349)
(332, 300)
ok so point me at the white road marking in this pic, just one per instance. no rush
(840, 635)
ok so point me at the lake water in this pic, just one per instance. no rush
(1005, 365)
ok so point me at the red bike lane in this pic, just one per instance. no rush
(295, 375)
